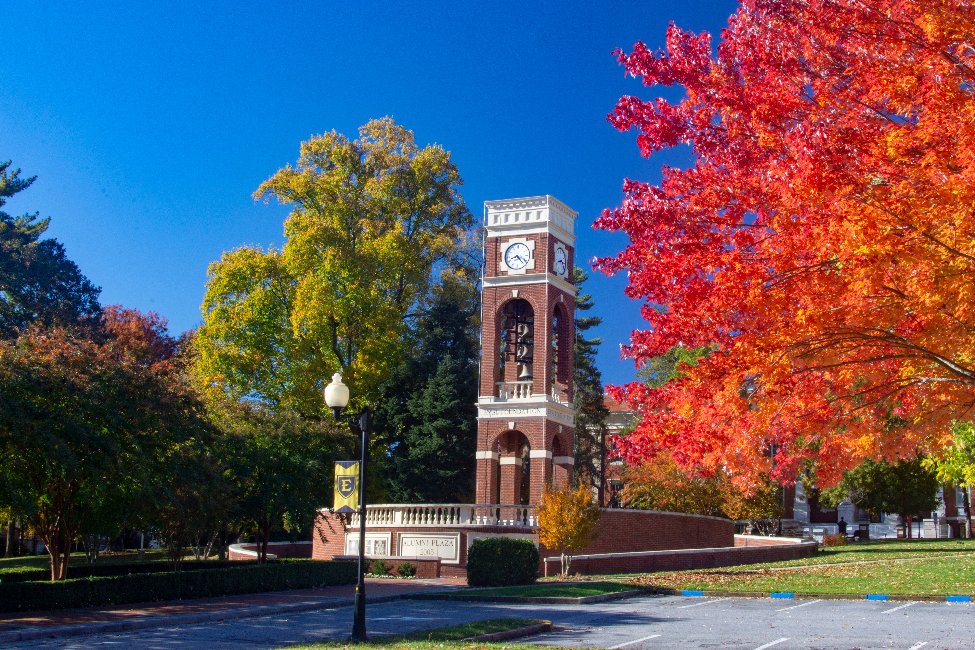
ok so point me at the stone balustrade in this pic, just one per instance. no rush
(514, 390)
(440, 515)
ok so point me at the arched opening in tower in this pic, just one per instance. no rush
(517, 347)
(514, 475)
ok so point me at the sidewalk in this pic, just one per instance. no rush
(25, 626)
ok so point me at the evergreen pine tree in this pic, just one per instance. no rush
(591, 413)
(427, 421)
(38, 283)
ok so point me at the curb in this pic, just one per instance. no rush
(538, 600)
(790, 595)
(517, 633)
(692, 593)
(150, 622)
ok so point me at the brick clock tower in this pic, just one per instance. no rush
(525, 419)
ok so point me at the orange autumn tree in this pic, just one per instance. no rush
(567, 520)
(822, 242)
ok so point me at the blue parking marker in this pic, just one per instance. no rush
(878, 597)
(782, 594)
(959, 599)
(691, 592)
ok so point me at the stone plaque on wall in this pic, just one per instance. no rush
(445, 546)
(377, 544)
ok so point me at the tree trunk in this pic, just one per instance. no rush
(265, 530)
(222, 550)
(968, 511)
(209, 547)
(10, 538)
(58, 543)
(601, 490)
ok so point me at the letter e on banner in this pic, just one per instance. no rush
(346, 486)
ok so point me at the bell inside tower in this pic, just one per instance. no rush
(517, 341)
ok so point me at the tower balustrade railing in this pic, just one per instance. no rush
(514, 390)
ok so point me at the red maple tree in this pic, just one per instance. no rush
(822, 242)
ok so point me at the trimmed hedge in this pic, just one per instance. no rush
(31, 574)
(203, 583)
(502, 561)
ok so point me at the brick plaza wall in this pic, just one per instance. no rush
(620, 531)
(623, 531)
(760, 540)
(277, 549)
(328, 538)
(705, 558)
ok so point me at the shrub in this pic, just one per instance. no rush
(406, 570)
(32, 574)
(379, 568)
(501, 561)
(171, 585)
(834, 540)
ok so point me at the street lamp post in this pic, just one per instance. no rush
(337, 398)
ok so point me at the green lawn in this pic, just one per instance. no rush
(42, 561)
(29, 562)
(444, 637)
(468, 630)
(923, 568)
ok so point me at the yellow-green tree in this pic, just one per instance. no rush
(567, 520)
(374, 222)
(956, 464)
(660, 483)
(761, 507)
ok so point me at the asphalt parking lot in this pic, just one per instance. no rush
(644, 622)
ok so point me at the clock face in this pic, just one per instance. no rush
(517, 255)
(561, 261)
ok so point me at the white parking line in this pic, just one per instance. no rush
(772, 643)
(629, 643)
(894, 609)
(703, 602)
(918, 645)
(811, 602)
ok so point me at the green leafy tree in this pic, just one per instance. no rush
(373, 221)
(280, 465)
(426, 420)
(38, 283)
(188, 497)
(956, 464)
(587, 398)
(79, 420)
(904, 487)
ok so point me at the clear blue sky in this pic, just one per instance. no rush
(149, 125)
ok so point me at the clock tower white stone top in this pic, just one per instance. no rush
(532, 214)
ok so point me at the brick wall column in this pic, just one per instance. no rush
(486, 490)
(510, 479)
(562, 470)
(541, 473)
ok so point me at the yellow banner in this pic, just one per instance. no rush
(346, 486)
